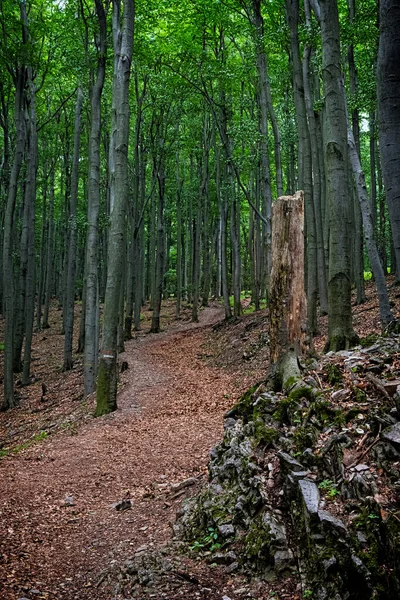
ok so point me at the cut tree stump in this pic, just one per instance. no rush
(287, 303)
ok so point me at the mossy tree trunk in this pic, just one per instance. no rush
(288, 303)
(123, 46)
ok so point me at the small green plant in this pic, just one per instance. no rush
(307, 594)
(208, 542)
(329, 487)
(2, 346)
(38, 437)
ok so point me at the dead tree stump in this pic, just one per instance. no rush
(287, 302)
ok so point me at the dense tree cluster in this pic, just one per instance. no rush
(143, 144)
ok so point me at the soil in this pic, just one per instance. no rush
(62, 471)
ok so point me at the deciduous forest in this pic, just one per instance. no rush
(200, 202)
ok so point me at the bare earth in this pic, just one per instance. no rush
(58, 531)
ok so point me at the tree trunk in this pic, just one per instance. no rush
(304, 163)
(388, 86)
(372, 248)
(123, 45)
(287, 303)
(340, 329)
(32, 162)
(8, 271)
(49, 257)
(72, 240)
(159, 267)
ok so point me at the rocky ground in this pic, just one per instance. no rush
(87, 505)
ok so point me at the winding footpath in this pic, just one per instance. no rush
(57, 528)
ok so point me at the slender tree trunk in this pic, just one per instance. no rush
(372, 248)
(223, 220)
(340, 329)
(8, 271)
(49, 257)
(388, 82)
(155, 321)
(123, 46)
(32, 162)
(179, 187)
(72, 244)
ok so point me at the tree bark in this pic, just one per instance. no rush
(8, 271)
(388, 87)
(287, 303)
(32, 163)
(91, 342)
(72, 240)
(340, 329)
(123, 46)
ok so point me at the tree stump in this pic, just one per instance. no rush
(287, 303)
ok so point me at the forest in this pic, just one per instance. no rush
(143, 148)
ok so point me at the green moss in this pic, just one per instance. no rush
(290, 382)
(304, 437)
(106, 388)
(244, 406)
(334, 374)
(282, 412)
(368, 340)
(359, 395)
(257, 541)
(265, 435)
(299, 393)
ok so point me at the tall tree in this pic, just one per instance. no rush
(19, 74)
(92, 259)
(388, 82)
(340, 329)
(72, 239)
(119, 189)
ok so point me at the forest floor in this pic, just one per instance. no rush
(62, 471)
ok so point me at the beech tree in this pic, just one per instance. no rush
(123, 23)
(228, 113)
(388, 85)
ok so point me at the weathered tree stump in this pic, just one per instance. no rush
(287, 303)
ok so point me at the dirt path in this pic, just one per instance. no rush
(171, 407)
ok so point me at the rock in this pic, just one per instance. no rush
(226, 530)
(124, 504)
(283, 559)
(175, 487)
(392, 434)
(340, 395)
(232, 567)
(330, 564)
(229, 423)
(223, 558)
(289, 462)
(69, 501)
(361, 468)
(299, 474)
(327, 519)
(310, 494)
(277, 530)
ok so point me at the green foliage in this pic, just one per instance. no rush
(329, 487)
(334, 374)
(38, 437)
(207, 542)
